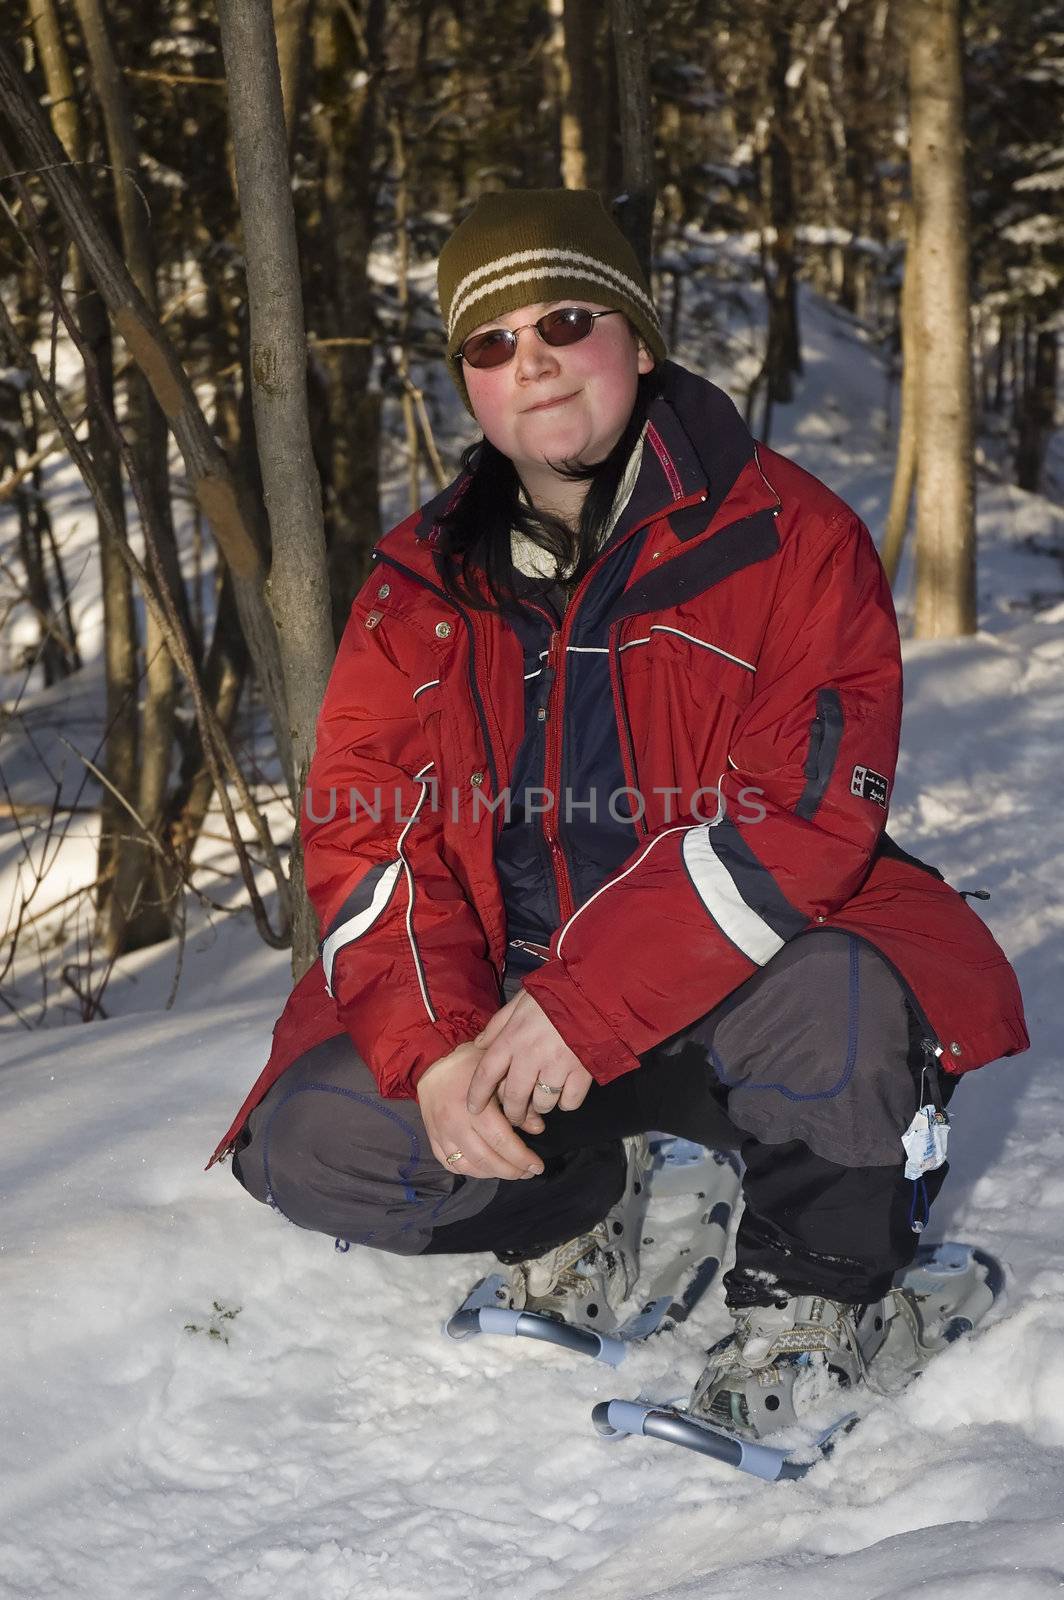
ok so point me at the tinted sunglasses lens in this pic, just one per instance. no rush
(567, 326)
(491, 349)
(494, 348)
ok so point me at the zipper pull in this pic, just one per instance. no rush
(546, 680)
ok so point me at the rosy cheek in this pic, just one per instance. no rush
(484, 399)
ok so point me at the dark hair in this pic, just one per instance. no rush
(473, 542)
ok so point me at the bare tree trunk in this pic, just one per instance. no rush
(56, 653)
(573, 154)
(141, 907)
(346, 124)
(1017, 366)
(829, 88)
(945, 514)
(45, 534)
(980, 380)
(1038, 412)
(634, 208)
(861, 165)
(50, 654)
(905, 460)
(784, 350)
(292, 23)
(226, 665)
(121, 748)
(413, 450)
(998, 401)
(224, 502)
(299, 592)
(149, 424)
(593, 74)
(224, 673)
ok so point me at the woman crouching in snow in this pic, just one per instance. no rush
(595, 833)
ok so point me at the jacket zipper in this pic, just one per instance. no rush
(552, 773)
(555, 709)
(554, 855)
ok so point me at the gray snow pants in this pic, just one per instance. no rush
(811, 1069)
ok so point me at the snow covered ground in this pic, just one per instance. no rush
(199, 1400)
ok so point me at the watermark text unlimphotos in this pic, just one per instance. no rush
(395, 805)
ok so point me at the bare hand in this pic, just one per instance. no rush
(523, 1052)
(488, 1144)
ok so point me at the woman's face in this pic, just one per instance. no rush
(569, 403)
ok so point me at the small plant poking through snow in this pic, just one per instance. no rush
(215, 1329)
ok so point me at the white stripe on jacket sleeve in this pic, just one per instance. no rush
(357, 925)
(716, 887)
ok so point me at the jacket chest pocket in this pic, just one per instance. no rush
(684, 694)
(682, 665)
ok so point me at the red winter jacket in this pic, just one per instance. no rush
(754, 654)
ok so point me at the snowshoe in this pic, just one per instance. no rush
(793, 1374)
(585, 1279)
(782, 1362)
(574, 1294)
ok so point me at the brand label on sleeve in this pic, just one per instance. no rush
(869, 785)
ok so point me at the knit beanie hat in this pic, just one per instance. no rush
(520, 246)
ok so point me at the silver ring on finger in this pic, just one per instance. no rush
(546, 1087)
(455, 1155)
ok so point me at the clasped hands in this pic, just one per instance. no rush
(474, 1099)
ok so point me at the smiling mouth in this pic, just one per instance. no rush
(548, 405)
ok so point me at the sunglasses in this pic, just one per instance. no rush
(497, 346)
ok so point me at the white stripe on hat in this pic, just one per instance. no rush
(545, 252)
(563, 261)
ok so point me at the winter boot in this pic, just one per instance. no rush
(784, 1361)
(586, 1279)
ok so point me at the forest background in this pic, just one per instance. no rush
(217, 284)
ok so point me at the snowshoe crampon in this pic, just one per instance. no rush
(589, 1324)
(943, 1296)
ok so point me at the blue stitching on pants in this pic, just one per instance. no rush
(409, 1192)
(851, 1047)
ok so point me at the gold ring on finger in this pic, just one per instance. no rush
(455, 1155)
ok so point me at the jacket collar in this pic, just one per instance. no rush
(705, 439)
(425, 522)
